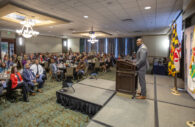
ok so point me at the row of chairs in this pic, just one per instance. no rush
(10, 93)
(69, 70)
(69, 73)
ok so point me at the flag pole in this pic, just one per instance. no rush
(174, 90)
(175, 81)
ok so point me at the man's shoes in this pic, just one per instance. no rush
(141, 97)
(39, 90)
(139, 93)
(32, 94)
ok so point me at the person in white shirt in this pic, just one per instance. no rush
(38, 71)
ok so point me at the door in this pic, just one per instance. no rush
(4, 49)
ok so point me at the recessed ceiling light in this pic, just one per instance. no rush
(147, 7)
(86, 16)
(127, 20)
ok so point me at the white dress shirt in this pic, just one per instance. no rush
(34, 69)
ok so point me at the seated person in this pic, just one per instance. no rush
(38, 71)
(29, 77)
(103, 64)
(29, 62)
(0, 62)
(55, 72)
(41, 58)
(112, 59)
(3, 67)
(108, 63)
(79, 70)
(10, 63)
(17, 83)
(24, 61)
(6, 59)
(3, 83)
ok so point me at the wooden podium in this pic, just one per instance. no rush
(126, 77)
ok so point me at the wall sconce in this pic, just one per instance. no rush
(20, 40)
(65, 43)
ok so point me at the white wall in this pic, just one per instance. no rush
(157, 45)
(43, 44)
(7, 34)
(74, 44)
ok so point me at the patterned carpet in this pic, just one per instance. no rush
(42, 110)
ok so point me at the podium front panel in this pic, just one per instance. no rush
(126, 82)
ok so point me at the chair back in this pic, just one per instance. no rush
(46, 65)
(69, 70)
(86, 69)
(97, 64)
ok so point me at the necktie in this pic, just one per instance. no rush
(37, 70)
(18, 77)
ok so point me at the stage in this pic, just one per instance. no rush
(98, 99)
(89, 97)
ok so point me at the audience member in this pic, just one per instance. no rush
(17, 83)
(30, 78)
(38, 71)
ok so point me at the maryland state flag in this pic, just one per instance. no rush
(175, 51)
(192, 63)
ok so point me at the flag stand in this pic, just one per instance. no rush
(175, 90)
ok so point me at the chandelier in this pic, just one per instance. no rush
(92, 37)
(27, 30)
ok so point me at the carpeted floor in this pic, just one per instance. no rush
(110, 75)
(42, 110)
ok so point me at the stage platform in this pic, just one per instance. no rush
(97, 98)
(125, 112)
(100, 83)
(87, 98)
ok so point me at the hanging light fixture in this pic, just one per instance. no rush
(27, 30)
(92, 37)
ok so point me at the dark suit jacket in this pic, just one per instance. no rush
(26, 75)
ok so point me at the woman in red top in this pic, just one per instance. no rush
(17, 83)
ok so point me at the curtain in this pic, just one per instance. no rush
(121, 46)
(94, 47)
(111, 46)
(82, 45)
(129, 46)
(101, 45)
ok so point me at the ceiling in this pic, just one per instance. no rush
(103, 15)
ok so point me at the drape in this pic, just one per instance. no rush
(100, 46)
(77, 104)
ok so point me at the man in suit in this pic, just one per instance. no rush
(142, 66)
(55, 72)
(29, 77)
(37, 69)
